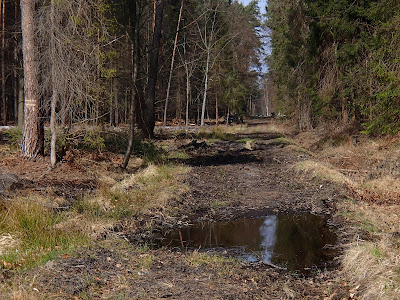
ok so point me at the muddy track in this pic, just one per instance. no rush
(228, 180)
(238, 179)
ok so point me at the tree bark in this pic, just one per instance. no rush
(147, 108)
(3, 52)
(54, 98)
(30, 147)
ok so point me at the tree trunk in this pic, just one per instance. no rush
(178, 112)
(203, 108)
(187, 97)
(15, 88)
(3, 52)
(16, 76)
(53, 104)
(116, 114)
(30, 147)
(135, 58)
(216, 109)
(147, 109)
(172, 64)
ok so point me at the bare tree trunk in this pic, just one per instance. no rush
(203, 108)
(135, 58)
(216, 109)
(16, 77)
(187, 98)
(116, 114)
(172, 64)
(3, 52)
(30, 139)
(126, 106)
(2, 58)
(53, 104)
(53, 158)
(147, 111)
(178, 112)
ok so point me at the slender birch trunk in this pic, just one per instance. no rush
(203, 108)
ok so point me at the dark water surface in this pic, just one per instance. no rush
(297, 242)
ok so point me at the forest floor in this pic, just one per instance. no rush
(217, 174)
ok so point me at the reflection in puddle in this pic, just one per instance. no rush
(294, 241)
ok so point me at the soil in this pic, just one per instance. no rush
(228, 180)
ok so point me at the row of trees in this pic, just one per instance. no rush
(337, 61)
(135, 62)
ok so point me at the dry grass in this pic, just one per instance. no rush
(384, 184)
(225, 266)
(370, 264)
(373, 267)
(150, 188)
(280, 127)
(7, 243)
(322, 171)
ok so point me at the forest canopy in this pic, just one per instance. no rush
(135, 62)
(337, 61)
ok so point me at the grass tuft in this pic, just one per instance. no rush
(148, 189)
(35, 227)
(321, 171)
(375, 267)
(373, 264)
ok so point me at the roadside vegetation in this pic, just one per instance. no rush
(38, 227)
(367, 168)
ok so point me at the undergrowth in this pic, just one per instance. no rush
(370, 262)
(36, 232)
(137, 193)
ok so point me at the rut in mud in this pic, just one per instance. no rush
(229, 180)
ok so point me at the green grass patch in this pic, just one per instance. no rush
(178, 155)
(376, 252)
(39, 239)
(149, 152)
(14, 138)
(244, 141)
(197, 259)
(368, 226)
(215, 133)
(284, 141)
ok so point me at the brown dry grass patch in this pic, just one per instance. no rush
(372, 264)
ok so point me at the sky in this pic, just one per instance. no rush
(261, 4)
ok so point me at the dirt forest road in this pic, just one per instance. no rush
(249, 175)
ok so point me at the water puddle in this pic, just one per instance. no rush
(297, 242)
